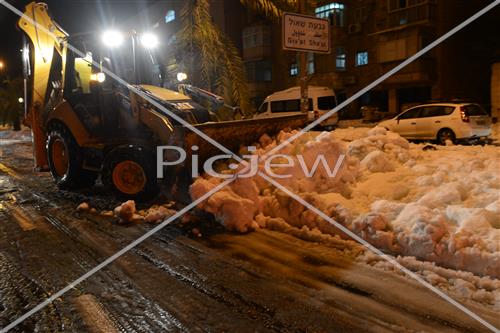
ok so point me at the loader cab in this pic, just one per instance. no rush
(87, 89)
(100, 102)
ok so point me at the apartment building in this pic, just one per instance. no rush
(369, 38)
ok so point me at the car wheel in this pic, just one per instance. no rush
(444, 135)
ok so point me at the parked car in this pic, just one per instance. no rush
(441, 122)
(280, 103)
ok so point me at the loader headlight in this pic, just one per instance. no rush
(99, 77)
(181, 77)
(112, 38)
(149, 40)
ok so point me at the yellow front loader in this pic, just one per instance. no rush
(86, 124)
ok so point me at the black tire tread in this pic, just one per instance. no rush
(76, 177)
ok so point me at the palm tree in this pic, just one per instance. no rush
(271, 8)
(213, 60)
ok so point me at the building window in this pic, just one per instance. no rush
(259, 71)
(333, 11)
(170, 16)
(360, 15)
(340, 58)
(310, 63)
(361, 58)
(256, 36)
(294, 68)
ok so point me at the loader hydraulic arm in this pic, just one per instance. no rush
(45, 38)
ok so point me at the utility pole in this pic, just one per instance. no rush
(304, 98)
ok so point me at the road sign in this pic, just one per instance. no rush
(306, 33)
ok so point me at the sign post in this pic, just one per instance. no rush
(304, 34)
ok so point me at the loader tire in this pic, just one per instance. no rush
(66, 159)
(131, 173)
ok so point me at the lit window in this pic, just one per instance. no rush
(333, 11)
(294, 68)
(361, 58)
(340, 58)
(170, 16)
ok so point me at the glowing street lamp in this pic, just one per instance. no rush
(2, 65)
(20, 100)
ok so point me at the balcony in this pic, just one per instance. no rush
(414, 12)
(404, 13)
(421, 70)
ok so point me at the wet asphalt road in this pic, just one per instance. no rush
(266, 281)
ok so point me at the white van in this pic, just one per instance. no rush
(287, 102)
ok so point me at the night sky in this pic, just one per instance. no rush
(72, 15)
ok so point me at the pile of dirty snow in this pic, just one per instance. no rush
(495, 132)
(127, 212)
(440, 205)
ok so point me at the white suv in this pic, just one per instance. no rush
(441, 121)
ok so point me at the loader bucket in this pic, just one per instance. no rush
(234, 134)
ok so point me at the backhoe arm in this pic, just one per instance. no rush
(46, 37)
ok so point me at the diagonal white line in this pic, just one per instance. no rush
(115, 256)
(215, 143)
(385, 76)
(380, 253)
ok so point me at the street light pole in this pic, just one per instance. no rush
(304, 98)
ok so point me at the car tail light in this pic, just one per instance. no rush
(463, 112)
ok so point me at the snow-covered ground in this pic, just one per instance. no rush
(440, 205)
(8, 136)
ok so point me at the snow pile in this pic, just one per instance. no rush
(350, 133)
(235, 211)
(495, 132)
(127, 212)
(83, 207)
(438, 205)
